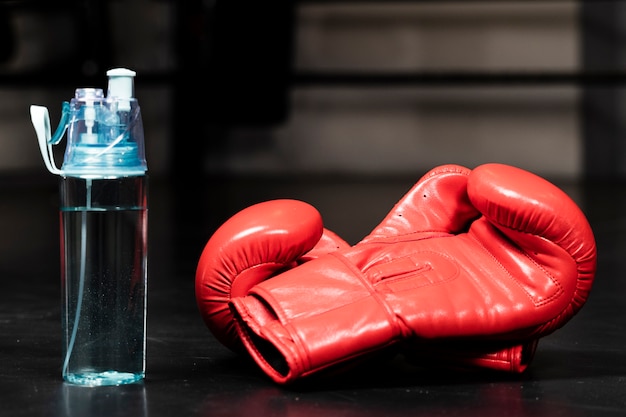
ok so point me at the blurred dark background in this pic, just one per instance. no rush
(372, 88)
(343, 104)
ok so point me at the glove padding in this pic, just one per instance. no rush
(496, 254)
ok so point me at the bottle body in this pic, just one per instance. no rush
(103, 224)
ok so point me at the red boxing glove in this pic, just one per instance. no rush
(497, 254)
(254, 245)
(268, 238)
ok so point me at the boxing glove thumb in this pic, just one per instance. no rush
(542, 227)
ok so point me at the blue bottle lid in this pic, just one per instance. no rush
(104, 134)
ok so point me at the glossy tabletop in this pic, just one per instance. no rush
(580, 370)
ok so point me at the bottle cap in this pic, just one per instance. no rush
(104, 134)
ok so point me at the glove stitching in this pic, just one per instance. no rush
(418, 270)
(517, 281)
(392, 318)
(449, 169)
(406, 237)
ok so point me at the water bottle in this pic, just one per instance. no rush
(103, 218)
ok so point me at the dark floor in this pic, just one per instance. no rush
(578, 371)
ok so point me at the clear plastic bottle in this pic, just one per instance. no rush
(104, 219)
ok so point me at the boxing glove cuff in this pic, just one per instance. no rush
(287, 342)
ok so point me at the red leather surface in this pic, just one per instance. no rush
(495, 253)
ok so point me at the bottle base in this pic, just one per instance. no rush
(96, 379)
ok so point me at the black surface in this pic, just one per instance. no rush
(578, 371)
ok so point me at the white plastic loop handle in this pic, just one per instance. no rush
(40, 117)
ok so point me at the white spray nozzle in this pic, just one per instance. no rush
(121, 86)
